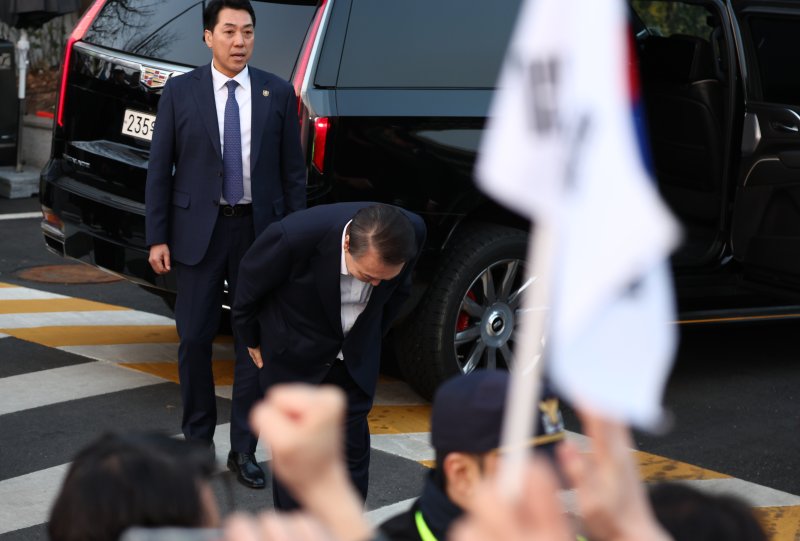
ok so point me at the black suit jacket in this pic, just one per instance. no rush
(184, 175)
(288, 299)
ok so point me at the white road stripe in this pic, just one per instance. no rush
(20, 215)
(753, 494)
(25, 500)
(413, 446)
(143, 353)
(46, 387)
(377, 516)
(26, 293)
(397, 393)
(90, 318)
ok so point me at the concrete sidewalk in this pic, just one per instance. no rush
(36, 141)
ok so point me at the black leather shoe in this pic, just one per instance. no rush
(246, 469)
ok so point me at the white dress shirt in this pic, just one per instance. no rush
(354, 294)
(243, 98)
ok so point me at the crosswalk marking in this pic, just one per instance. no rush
(62, 336)
(45, 387)
(100, 318)
(144, 352)
(144, 349)
(14, 293)
(27, 498)
(33, 306)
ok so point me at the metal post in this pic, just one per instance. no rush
(23, 45)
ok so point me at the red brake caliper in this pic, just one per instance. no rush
(463, 318)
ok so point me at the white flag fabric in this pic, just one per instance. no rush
(562, 147)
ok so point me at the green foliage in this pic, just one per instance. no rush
(668, 18)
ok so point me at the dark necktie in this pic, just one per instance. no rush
(233, 177)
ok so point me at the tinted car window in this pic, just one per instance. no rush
(166, 30)
(777, 51)
(403, 44)
(173, 31)
(280, 31)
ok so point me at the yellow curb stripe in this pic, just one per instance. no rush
(3, 284)
(223, 370)
(399, 419)
(96, 335)
(659, 468)
(428, 463)
(780, 523)
(35, 306)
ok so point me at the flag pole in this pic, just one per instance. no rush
(525, 387)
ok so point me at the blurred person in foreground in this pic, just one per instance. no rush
(691, 515)
(466, 422)
(148, 480)
(303, 425)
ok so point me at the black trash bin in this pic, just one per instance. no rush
(9, 104)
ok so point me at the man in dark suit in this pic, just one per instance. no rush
(317, 292)
(225, 162)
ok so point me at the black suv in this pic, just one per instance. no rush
(392, 99)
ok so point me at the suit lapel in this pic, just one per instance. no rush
(206, 106)
(327, 269)
(261, 101)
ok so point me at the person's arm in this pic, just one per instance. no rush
(612, 500)
(303, 426)
(158, 187)
(264, 267)
(293, 166)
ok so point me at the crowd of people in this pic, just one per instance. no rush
(124, 481)
(314, 291)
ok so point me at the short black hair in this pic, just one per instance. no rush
(690, 515)
(211, 13)
(121, 481)
(387, 230)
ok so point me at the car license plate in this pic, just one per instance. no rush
(138, 124)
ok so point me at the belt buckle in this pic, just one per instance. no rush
(228, 210)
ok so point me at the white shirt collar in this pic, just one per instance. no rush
(344, 270)
(219, 79)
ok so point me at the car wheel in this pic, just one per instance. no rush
(467, 318)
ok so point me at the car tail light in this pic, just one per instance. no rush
(77, 34)
(321, 126)
(305, 56)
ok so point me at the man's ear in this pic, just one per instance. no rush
(207, 37)
(462, 474)
(347, 243)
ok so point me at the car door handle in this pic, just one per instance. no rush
(788, 128)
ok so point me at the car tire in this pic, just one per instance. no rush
(426, 345)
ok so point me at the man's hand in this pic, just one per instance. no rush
(255, 354)
(612, 499)
(159, 258)
(303, 426)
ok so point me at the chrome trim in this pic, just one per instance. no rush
(129, 60)
(751, 133)
(313, 58)
(750, 171)
(52, 231)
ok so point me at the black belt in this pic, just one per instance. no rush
(235, 210)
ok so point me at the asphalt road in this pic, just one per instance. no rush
(734, 394)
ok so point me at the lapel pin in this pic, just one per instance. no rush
(265, 93)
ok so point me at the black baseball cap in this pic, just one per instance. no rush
(468, 410)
